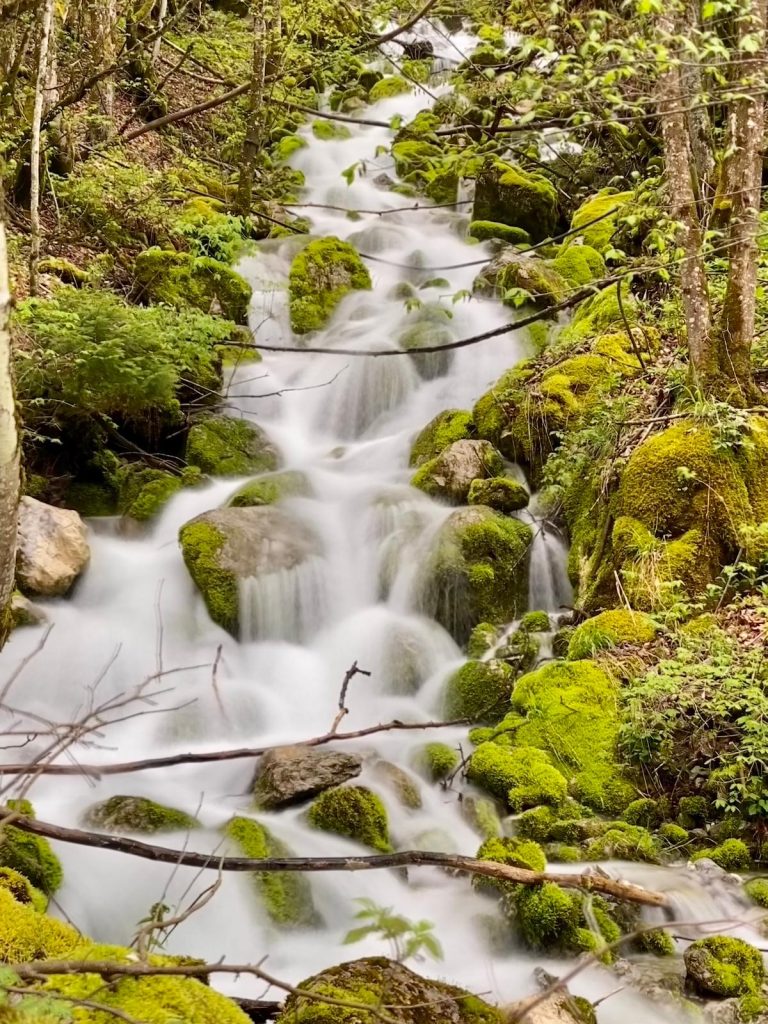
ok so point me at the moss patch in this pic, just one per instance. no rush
(30, 855)
(137, 814)
(501, 493)
(180, 279)
(201, 544)
(354, 812)
(508, 195)
(224, 446)
(447, 427)
(723, 966)
(522, 776)
(600, 235)
(485, 230)
(611, 629)
(269, 489)
(437, 760)
(321, 275)
(479, 691)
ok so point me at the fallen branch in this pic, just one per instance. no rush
(375, 862)
(395, 32)
(179, 115)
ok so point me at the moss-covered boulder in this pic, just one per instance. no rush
(535, 622)
(285, 895)
(522, 776)
(447, 427)
(436, 761)
(426, 327)
(594, 220)
(550, 918)
(22, 890)
(330, 131)
(137, 814)
(224, 446)
(145, 491)
(479, 691)
(611, 629)
(501, 493)
(181, 280)
(353, 812)
(228, 545)
(321, 275)
(477, 571)
(578, 264)
(509, 195)
(624, 842)
(482, 816)
(267, 490)
(377, 982)
(723, 966)
(730, 855)
(450, 474)
(30, 855)
(487, 230)
(512, 273)
(386, 88)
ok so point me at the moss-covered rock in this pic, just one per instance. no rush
(25, 934)
(267, 490)
(508, 195)
(30, 855)
(692, 811)
(137, 814)
(535, 622)
(522, 776)
(731, 855)
(645, 812)
(427, 327)
(673, 837)
(321, 275)
(287, 147)
(757, 890)
(450, 474)
(144, 491)
(180, 279)
(286, 895)
(599, 235)
(437, 760)
(481, 815)
(723, 966)
(330, 131)
(578, 264)
(447, 427)
(485, 230)
(90, 498)
(227, 545)
(22, 890)
(353, 812)
(394, 85)
(511, 273)
(377, 982)
(611, 629)
(629, 842)
(403, 785)
(224, 446)
(501, 493)
(479, 691)
(550, 918)
(477, 571)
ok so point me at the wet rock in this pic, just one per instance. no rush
(289, 775)
(228, 545)
(52, 548)
(137, 814)
(408, 998)
(558, 1008)
(450, 475)
(25, 613)
(405, 787)
(225, 446)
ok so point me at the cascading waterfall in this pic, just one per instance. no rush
(345, 423)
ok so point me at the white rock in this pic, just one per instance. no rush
(52, 548)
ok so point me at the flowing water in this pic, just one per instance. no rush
(346, 423)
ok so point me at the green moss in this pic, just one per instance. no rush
(651, 568)
(403, 785)
(22, 890)
(579, 264)
(630, 843)
(563, 852)
(437, 760)
(481, 816)
(535, 622)
(723, 966)
(611, 629)
(286, 895)
(287, 147)
(354, 812)
(519, 853)
(508, 195)
(644, 812)
(732, 855)
(180, 279)
(137, 814)
(547, 916)
(144, 492)
(321, 275)
(27, 935)
(415, 158)
(64, 269)
(477, 571)
(201, 544)
(479, 691)
(483, 638)
(270, 489)
(484, 230)
(753, 1007)
(394, 85)
(224, 446)
(447, 476)
(330, 131)
(658, 942)
(692, 811)
(523, 776)
(599, 235)
(30, 855)
(672, 835)
(500, 493)
(91, 499)
(757, 890)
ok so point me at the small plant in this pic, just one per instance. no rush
(407, 939)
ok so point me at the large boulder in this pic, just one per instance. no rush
(477, 571)
(723, 966)
(451, 473)
(227, 545)
(289, 775)
(376, 981)
(52, 548)
(448, 426)
(321, 275)
(225, 446)
(506, 194)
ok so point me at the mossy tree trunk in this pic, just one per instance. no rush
(9, 448)
(254, 133)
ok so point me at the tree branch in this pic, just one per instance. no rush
(389, 36)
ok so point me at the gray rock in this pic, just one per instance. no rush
(289, 775)
(450, 474)
(52, 548)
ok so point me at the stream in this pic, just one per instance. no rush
(348, 427)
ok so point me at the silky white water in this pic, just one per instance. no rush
(347, 423)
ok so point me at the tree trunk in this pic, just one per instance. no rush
(160, 23)
(254, 131)
(9, 449)
(34, 160)
(746, 143)
(679, 165)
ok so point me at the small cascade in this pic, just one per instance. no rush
(549, 588)
(289, 604)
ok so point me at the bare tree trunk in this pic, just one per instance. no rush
(34, 160)
(104, 16)
(700, 130)
(746, 144)
(9, 449)
(679, 165)
(254, 131)
(160, 24)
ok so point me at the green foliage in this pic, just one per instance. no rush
(407, 939)
(353, 812)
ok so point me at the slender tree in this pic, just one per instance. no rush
(255, 126)
(46, 22)
(9, 447)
